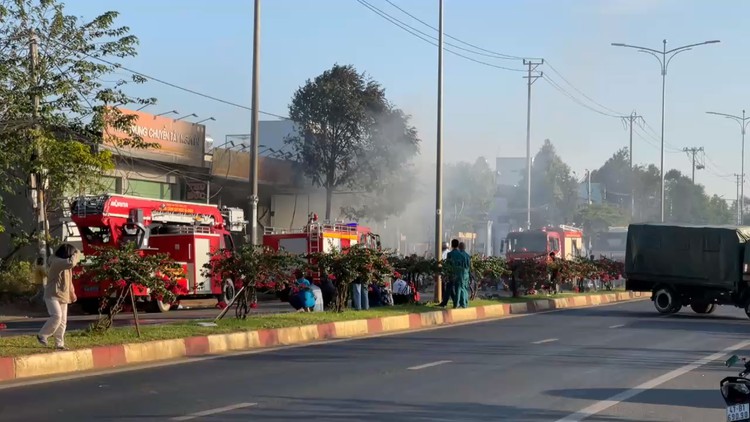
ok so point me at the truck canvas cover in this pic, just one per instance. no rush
(707, 256)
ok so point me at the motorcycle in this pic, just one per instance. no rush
(736, 391)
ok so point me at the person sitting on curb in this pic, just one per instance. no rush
(305, 293)
(401, 290)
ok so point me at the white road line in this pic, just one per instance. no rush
(210, 412)
(549, 340)
(617, 326)
(429, 365)
(655, 382)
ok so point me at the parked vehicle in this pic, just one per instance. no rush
(188, 232)
(317, 237)
(611, 244)
(565, 241)
(736, 392)
(681, 265)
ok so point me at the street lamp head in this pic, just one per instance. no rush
(618, 44)
(713, 42)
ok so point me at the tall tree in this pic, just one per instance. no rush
(469, 194)
(349, 134)
(554, 190)
(61, 137)
(615, 175)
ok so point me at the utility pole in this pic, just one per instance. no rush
(664, 57)
(743, 122)
(629, 120)
(38, 178)
(531, 77)
(692, 151)
(439, 166)
(254, 128)
(737, 203)
(588, 187)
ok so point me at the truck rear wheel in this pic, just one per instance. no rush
(703, 308)
(666, 301)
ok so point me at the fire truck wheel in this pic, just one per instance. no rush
(158, 306)
(227, 292)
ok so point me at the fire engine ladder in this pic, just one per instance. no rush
(314, 238)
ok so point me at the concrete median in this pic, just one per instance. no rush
(107, 357)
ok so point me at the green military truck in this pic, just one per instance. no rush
(689, 265)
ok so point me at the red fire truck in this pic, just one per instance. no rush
(188, 232)
(319, 237)
(565, 241)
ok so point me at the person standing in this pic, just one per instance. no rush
(58, 294)
(360, 296)
(465, 277)
(448, 285)
(459, 268)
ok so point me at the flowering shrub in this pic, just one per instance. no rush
(355, 264)
(254, 267)
(536, 274)
(486, 270)
(119, 270)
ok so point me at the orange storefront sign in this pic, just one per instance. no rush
(179, 141)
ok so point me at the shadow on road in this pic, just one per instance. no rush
(699, 399)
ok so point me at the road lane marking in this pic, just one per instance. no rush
(185, 361)
(210, 412)
(617, 326)
(648, 385)
(429, 365)
(549, 340)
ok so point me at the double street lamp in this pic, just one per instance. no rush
(743, 122)
(664, 57)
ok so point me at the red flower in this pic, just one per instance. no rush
(120, 283)
(254, 305)
(160, 297)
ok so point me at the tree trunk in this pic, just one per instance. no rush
(329, 200)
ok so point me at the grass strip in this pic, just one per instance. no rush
(79, 339)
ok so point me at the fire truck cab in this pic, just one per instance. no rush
(565, 241)
(188, 232)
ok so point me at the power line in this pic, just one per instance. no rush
(493, 53)
(573, 98)
(170, 84)
(581, 92)
(429, 39)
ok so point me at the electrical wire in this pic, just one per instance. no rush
(430, 39)
(492, 53)
(169, 84)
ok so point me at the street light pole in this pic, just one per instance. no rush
(664, 57)
(254, 128)
(743, 122)
(439, 165)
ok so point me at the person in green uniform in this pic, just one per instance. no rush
(466, 286)
(459, 265)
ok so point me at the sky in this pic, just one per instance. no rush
(206, 46)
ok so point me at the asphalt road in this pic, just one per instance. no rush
(621, 363)
(196, 311)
